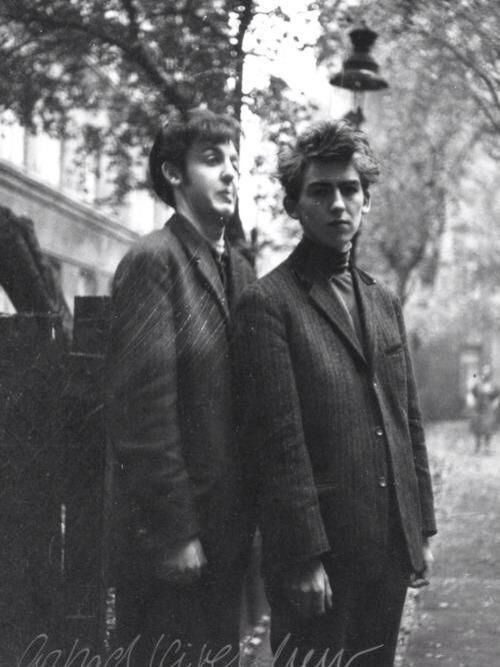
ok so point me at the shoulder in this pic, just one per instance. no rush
(148, 264)
(158, 247)
(157, 244)
(274, 283)
(380, 287)
(270, 293)
(242, 264)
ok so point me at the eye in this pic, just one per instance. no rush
(318, 191)
(349, 190)
(211, 158)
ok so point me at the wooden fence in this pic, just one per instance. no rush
(56, 489)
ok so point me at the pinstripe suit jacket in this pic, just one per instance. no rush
(169, 395)
(333, 430)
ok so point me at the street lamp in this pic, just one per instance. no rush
(360, 72)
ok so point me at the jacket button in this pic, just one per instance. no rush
(382, 482)
(379, 431)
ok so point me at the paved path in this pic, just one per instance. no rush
(457, 619)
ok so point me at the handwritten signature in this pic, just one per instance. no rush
(171, 655)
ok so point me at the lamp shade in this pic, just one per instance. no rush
(360, 71)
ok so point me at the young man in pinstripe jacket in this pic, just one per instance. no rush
(179, 515)
(335, 447)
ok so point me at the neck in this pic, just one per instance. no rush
(209, 225)
(327, 260)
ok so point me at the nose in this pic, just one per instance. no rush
(229, 172)
(337, 201)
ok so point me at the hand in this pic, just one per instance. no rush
(428, 558)
(308, 588)
(420, 579)
(182, 564)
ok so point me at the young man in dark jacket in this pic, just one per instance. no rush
(332, 428)
(170, 405)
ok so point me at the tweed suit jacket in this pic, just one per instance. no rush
(170, 396)
(332, 429)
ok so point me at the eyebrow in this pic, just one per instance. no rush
(202, 147)
(353, 181)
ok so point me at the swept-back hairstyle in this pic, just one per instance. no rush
(175, 138)
(327, 141)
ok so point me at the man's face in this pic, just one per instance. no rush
(207, 186)
(331, 203)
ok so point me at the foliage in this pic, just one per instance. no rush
(440, 60)
(133, 60)
(283, 113)
(284, 117)
(129, 62)
(424, 147)
(465, 35)
(467, 295)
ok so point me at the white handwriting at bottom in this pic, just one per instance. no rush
(207, 657)
(36, 655)
(313, 658)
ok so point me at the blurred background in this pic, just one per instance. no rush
(84, 85)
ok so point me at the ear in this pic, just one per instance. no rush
(367, 202)
(291, 207)
(172, 174)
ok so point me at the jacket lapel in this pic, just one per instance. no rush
(322, 296)
(202, 260)
(209, 274)
(363, 284)
(308, 266)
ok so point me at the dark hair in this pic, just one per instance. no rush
(327, 141)
(176, 137)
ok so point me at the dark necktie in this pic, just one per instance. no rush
(341, 283)
(334, 266)
(222, 262)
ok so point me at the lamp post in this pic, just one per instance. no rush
(360, 72)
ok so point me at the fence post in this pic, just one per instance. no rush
(88, 478)
(30, 487)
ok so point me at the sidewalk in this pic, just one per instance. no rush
(457, 619)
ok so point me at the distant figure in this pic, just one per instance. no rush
(485, 397)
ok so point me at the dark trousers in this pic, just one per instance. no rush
(361, 627)
(179, 624)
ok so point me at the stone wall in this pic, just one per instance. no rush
(85, 245)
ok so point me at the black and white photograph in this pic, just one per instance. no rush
(250, 326)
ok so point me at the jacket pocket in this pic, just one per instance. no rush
(331, 506)
(394, 349)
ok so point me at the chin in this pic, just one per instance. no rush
(225, 213)
(340, 246)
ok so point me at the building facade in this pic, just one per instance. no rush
(42, 179)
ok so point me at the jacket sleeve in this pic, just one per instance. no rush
(418, 438)
(143, 402)
(276, 455)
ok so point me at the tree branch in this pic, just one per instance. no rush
(246, 18)
(467, 62)
(133, 25)
(133, 52)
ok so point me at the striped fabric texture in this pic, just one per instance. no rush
(331, 426)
